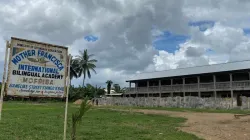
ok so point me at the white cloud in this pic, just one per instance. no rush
(126, 29)
(102, 76)
(42, 20)
(231, 12)
(123, 28)
(179, 58)
(225, 40)
(2, 49)
(226, 44)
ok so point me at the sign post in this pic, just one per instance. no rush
(67, 99)
(36, 69)
(4, 77)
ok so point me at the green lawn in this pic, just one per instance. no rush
(26, 121)
(232, 111)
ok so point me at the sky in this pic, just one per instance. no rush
(133, 36)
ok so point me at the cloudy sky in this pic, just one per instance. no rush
(132, 36)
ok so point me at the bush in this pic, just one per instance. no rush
(81, 92)
(74, 94)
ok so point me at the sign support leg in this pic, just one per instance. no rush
(4, 77)
(67, 98)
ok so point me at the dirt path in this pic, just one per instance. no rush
(210, 126)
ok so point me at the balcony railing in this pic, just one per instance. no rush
(219, 86)
(142, 89)
(166, 88)
(191, 87)
(241, 84)
(222, 85)
(206, 86)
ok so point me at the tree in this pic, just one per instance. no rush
(123, 90)
(73, 69)
(109, 84)
(85, 64)
(77, 116)
(88, 90)
(100, 91)
(117, 88)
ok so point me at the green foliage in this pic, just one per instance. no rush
(109, 84)
(81, 92)
(85, 64)
(74, 70)
(117, 88)
(76, 93)
(77, 116)
(27, 121)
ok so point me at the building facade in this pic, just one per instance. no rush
(218, 80)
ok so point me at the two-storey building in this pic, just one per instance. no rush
(218, 80)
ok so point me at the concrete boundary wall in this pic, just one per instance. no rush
(177, 102)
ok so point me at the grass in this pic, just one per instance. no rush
(232, 111)
(29, 121)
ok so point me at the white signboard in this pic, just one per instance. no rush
(36, 69)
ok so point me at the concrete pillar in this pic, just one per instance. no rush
(171, 93)
(231, 88)
(215, 92)
(136, 89)
(130, 88)
(183, 86)
(159, 85)
(198, 81)
(148, 87)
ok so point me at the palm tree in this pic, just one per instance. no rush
(109, 84)
(73, 68)
(117, 88)
(96, 90)
(78, 115)
(85, 64)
